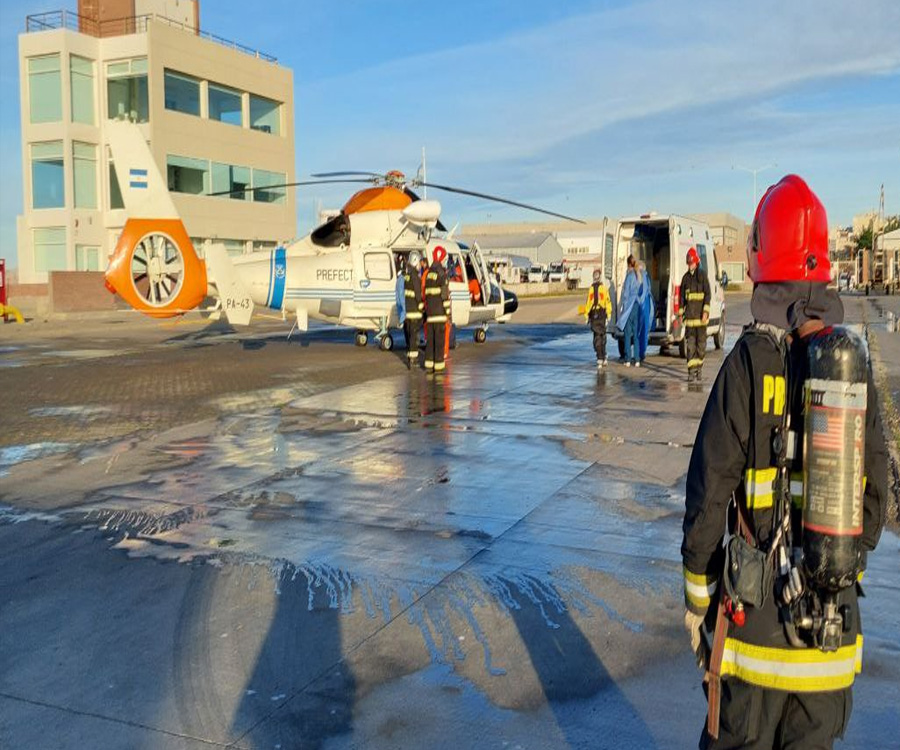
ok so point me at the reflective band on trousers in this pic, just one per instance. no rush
(759, 486)
(797, 670)
(698, 590)
(695, 295)
(693, 322)
(692, 363)
(437, 318)
(414, 316)
(432, 291)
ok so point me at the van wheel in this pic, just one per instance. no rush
(682, 349)
(621, 343)
(719, 338)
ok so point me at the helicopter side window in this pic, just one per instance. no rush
(378, 266)
(333, 233)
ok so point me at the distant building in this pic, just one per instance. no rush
(889, 244)
(585, 246)
(217, 116)
(541, 248)
(729, 234)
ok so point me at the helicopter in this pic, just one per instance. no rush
(343, 272)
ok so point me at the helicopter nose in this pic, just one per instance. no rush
(510, 302)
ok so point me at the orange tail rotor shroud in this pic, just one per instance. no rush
(119, 274)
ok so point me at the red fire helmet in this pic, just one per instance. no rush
(789, 235)
(692, 257)
(440, 254)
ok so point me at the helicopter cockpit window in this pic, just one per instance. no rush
(333, 233)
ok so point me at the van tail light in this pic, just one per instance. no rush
(676, 299)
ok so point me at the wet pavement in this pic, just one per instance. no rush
(218, 538)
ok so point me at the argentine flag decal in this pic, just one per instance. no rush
(137, 178)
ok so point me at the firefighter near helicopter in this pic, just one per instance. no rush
(343, 272)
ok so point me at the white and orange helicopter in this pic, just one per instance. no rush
(344, 272)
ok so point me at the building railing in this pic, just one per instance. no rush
(66, 19)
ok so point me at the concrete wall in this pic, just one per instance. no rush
(537, 289)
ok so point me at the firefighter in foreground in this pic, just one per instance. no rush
(694, 302)
(597, 312)
(437, 310)
(790, 455)
(415, 306)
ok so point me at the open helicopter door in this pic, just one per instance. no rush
(486, 311)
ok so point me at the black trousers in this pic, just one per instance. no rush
(695, 346)
(434, 346)
(754, 718)
(598, 326)
(411, 330)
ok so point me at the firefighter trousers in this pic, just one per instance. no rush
(598, 326)
(434, 346)
(753, 717)
(411, 330)
(695, 347)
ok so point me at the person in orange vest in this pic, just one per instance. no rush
(437, 311)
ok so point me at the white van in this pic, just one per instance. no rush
(662, 242)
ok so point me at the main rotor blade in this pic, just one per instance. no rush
(286, 185)
(499, 200)
(346, 174)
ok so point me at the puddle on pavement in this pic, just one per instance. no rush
(395, 496)
(12, 455)
(81, 413)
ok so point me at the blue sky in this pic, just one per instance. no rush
(588, 108)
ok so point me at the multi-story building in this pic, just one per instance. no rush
(217, 117)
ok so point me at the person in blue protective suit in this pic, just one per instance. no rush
(647, 312)
(629, 313)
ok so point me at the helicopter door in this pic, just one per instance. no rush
(459, 288)
(374, 293)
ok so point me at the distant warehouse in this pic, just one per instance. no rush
(218, 117)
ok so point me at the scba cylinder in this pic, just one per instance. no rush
(833, 458)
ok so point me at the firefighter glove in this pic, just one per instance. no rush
(693, 623)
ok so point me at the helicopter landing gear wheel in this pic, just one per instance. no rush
(387, 342)
(362, 338)
(157, 269)
(480, 335)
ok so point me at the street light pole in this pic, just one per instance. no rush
(754, 172)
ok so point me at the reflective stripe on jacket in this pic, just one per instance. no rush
(695, 297)
(437, 294)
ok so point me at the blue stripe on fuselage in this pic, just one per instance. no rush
(279, 277)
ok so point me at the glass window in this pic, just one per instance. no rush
(50, 249)
(87, 258)
(263, 179)
(378, 266)
(126, 90)
(265, 115)
(234, 247)
(186, 175)
(47, 175)
(84, 160)
(608, 256)
(701, 251)
(182, 93)
(735, 272)
(225, 105)
(44, 89)
(81, 75)
(227, 177)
